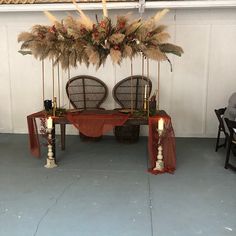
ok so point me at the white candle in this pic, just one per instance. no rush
(145, 91)
(160, 124)
(49, 122)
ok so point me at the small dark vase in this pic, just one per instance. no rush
(48, 105)
(152, 105)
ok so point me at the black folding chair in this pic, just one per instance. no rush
(219, 113)
(231, 142)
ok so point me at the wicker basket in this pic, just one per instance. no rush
(127, 133)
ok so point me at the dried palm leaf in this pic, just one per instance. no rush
(133, 27)
(116, 38)
(85, 59)
(160, 14)
(123, 19)
(37, 51)
(128, 51)
(73, 58)
(159, 29)
(25, 36)
(155, 54)
(23, 52)
(171, 48)
(92, 54)
(69, 21)
(147, 26)
(51, 17)
(141, 47)
(115, 55)
(85, 20)
(161, 37)
(104, 8)
(64, 60)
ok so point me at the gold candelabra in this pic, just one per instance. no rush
(54, 106)
(145, 104)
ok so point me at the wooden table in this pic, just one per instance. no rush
(168, 140)
(132, 120)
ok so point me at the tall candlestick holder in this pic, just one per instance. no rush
(51, 163)
(145, 104)
(146, 101)
(159, 162)
(54, 108)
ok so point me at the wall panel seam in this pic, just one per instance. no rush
(173, 64)
(9, 79)
(207, 79)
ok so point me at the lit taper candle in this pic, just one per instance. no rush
(160, 124)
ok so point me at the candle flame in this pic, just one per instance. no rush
(161, 124)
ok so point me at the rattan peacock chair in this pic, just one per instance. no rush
(88, 93)
(122, 95)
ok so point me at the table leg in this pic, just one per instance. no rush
(63, 135)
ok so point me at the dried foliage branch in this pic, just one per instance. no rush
(79, 40)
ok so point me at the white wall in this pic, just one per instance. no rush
(202, 79)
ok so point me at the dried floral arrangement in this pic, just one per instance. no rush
(80, 40)
(50, 1)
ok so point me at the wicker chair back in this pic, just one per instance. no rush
(86, 92)
(122, 91)
(122, 95)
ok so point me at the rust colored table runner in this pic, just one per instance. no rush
(167, 141)
(94, 124)
(90, 123)
(33, 133)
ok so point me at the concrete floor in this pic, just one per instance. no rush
(103, 189)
